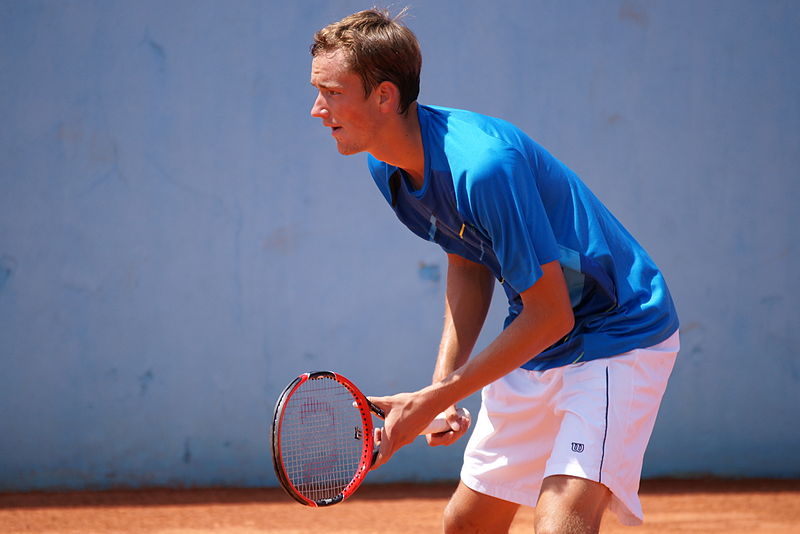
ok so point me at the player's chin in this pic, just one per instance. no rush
(346, 149)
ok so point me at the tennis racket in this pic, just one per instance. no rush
(323, 438)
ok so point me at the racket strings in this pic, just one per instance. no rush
(322, 441)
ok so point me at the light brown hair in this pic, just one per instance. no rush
(378, 48)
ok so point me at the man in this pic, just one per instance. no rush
(572, 385)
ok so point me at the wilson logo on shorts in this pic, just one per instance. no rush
(577, 447)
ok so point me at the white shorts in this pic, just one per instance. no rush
(590, 420)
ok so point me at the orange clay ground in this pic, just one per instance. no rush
(756, 506)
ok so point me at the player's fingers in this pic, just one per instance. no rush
(442, 438)
(465, 418)
(454, 419)
(459, 421)
(446, 438)
(385, 449)
(381, 402)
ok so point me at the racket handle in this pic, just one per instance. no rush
(440, 424)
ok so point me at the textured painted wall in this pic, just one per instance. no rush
(178, 238)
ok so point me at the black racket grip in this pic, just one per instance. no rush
(377, 411)
(380, 413)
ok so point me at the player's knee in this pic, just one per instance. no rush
(563, 523)
(456, 521)
(473, 512)
(452, 521)
(549, 526)
(546, 525)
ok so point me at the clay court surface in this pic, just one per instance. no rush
(761, 506)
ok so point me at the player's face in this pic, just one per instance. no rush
(340, 103)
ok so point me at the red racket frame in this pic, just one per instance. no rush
(362, 405)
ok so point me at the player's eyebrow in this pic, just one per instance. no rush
(325, 85)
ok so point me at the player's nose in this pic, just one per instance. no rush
(318, 110)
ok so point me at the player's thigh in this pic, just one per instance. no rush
(570, 504)
(470, 511)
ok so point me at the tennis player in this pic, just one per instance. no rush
(572, 385)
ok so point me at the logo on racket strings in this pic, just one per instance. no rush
(357, 434)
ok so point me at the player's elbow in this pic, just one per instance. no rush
(552, 321)
(548, 304)
(565, 321)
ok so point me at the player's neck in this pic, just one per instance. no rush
(403, 147)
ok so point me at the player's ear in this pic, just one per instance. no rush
(388, 97)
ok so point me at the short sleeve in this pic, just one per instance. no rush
(380, 173)
(507, 207)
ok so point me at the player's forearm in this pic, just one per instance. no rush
(546, 317)
(507, 352)
(467, 299)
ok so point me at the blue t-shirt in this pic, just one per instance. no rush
(494, 196)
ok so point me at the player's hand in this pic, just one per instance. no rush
(458, 427)
(406, 417)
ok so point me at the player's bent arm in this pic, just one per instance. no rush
(546, 317)
(467, 298)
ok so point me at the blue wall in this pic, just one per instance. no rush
(178, 238)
